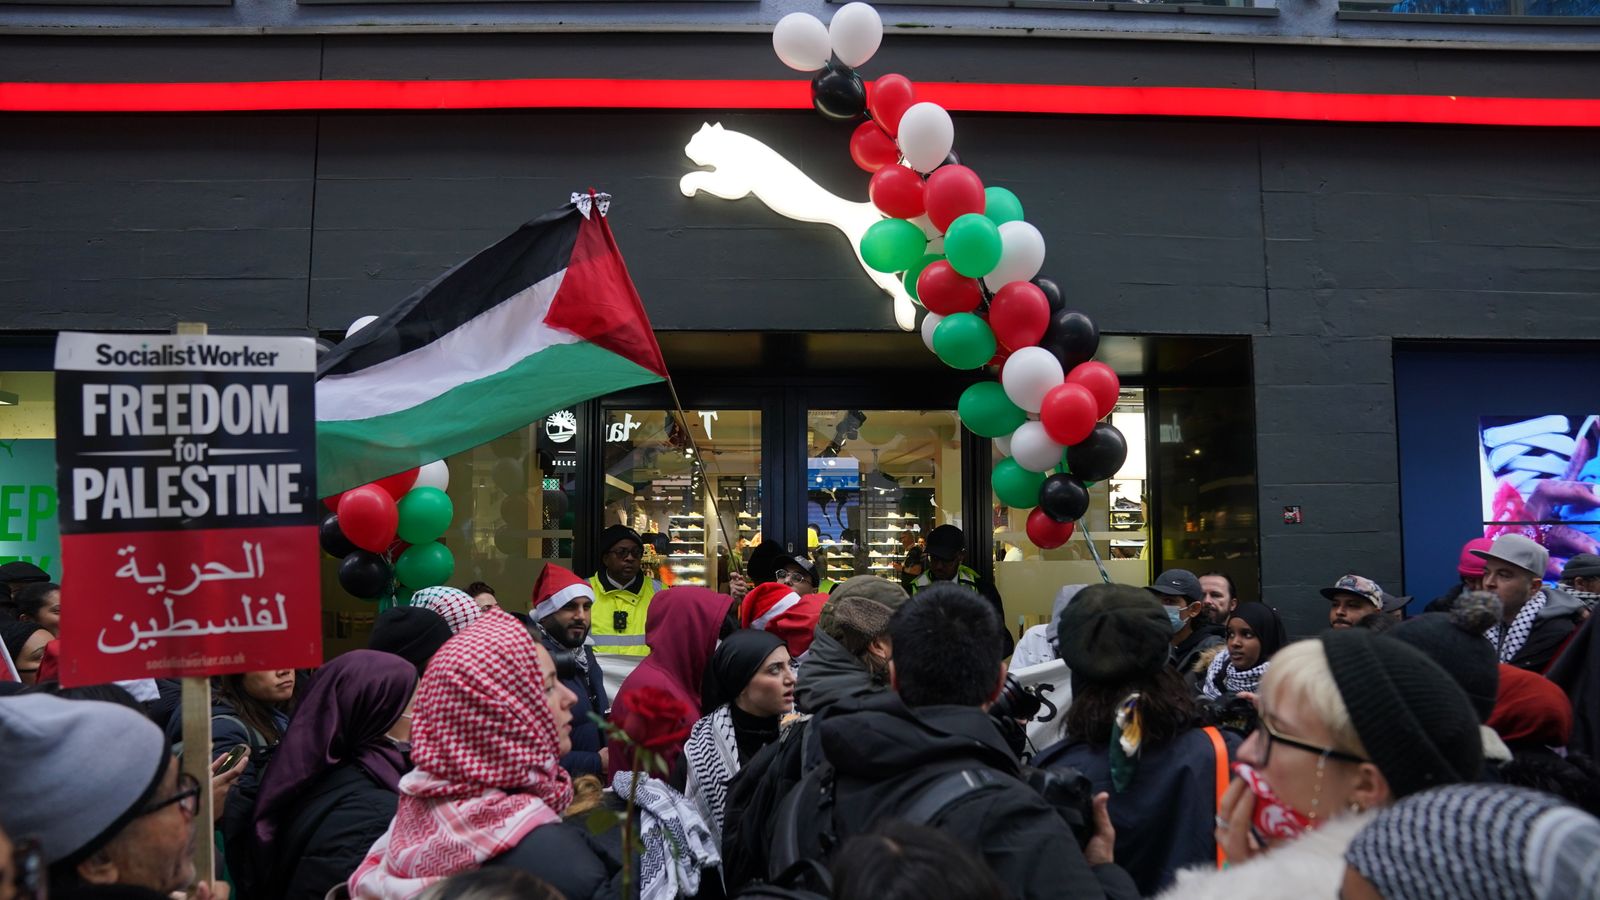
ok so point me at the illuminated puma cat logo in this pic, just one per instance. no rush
(740, 166)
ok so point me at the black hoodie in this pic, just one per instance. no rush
(884, 754)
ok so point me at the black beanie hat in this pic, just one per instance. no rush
(1114, 633)
(1455, 641)
(410, 632)
(1416, 723)
(616, 534)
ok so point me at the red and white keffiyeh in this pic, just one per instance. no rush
(488, 763)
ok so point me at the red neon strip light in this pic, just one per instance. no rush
(611, 93)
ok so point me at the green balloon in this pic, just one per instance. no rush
(1015, 486)
(1001, 206)
(425, 565)
(912, 273)
(972, 244)
(425, 515)
(988, 412)
(893, 245)
(963, 341)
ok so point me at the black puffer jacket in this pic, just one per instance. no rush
(579, 865)
(885, 754)
(332, 828)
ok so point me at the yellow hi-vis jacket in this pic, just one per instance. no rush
(608, 603)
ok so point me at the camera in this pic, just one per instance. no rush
(1236, 714)
(566, 664)
(1070, 793)
(1021, 703)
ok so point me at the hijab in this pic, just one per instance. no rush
(16, 634)
(343, 719)
(681, 631)
(488, 763)
(737, 660)
(1264, 621)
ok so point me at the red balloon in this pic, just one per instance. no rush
(871, 148)
(397, 484)
(897, 191)
(888, 99)
(943, 290)
(1019, 315)
(368, 517)
(1068, 413)
(953, 191)
(1098, 378)
(1045, 532)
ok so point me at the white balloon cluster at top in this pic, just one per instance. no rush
(804, 43)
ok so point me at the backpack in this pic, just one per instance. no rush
(806, 829)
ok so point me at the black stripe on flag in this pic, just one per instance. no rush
(525, 257)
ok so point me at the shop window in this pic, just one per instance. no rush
(1205, 457)
(877, 481)
(693, 493)
(515, 510)
(1117, 524)
(28, 530)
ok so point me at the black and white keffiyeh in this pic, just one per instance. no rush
(1508, 640)
(1479, 842)
(1223, 677)
(712, 754)
(677, 843)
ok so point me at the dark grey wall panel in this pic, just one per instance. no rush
(178, 59)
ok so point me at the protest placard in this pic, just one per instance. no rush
(186, 481)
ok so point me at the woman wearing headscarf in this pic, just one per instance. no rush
(681, 630)
(753, 685)
(1349, 723)
(24, 643)
(488, 728)
(456, 606)
(334, 783)
(1254, 634)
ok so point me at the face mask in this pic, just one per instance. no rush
(1175, 616)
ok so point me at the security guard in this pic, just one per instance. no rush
(622, 602)
(943, 551)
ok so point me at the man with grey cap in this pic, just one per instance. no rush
(1192, 633)
(95, 783)
(1536, 621)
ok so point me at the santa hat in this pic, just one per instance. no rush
(556, 588)
(776, 608)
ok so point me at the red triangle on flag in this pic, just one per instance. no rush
(598, 302)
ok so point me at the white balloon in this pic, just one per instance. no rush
(1032, 448)
(1028, 375)
(359, 324)
(856, 31)
(928, 228)
(1002, 445)
(926, 136)
(929, 323)
(801, 41)
(1021, 255)
(435, 474)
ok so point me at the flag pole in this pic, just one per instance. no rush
(734, 560)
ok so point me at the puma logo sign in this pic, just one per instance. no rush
(739, 165)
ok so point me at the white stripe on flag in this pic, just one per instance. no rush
(488, 343)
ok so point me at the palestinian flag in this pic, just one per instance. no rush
(545, 318)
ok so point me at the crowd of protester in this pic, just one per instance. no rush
(868, 741)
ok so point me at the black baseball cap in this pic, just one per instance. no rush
(1177, 583)
(797, 559)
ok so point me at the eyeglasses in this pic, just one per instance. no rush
(626, 552)
(187, 797)
(28, 871)
(1274, 736)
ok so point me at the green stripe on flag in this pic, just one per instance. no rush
(352, 453)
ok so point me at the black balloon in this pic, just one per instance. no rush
(332, 538)
(1098, 456)
(837, 92)
(951, 159)
(365, 574)
(1052, 293)
(1072, 337)
(1063, 498)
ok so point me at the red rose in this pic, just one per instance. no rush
(656, 720)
